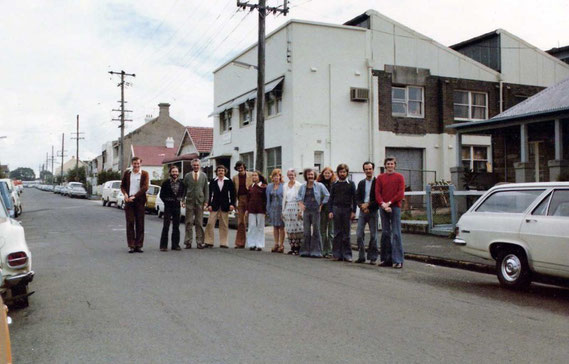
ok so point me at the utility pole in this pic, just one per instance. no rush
(77, 137)
(122, 119)
(260, 122)
(52, 159)
(62, 154)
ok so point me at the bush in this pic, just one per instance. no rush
(157, 182)
(109, 175)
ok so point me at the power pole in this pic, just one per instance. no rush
(45, 166)
(52, 159)
(62, 154)
(122, 116)
(77, 137)
(260, 122)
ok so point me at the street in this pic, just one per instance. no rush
(95, 303)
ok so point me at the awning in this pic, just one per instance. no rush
(250, 95)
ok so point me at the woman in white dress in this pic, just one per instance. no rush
(293, 224)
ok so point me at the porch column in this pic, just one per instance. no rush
(457, 175)
(558, 168)
(524, 170)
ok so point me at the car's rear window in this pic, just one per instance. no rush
(514, 202)
(153, 190)
(116, 185)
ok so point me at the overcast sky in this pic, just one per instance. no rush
(55, 56)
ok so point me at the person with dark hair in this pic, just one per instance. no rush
(275, 209)
(221, 200)
(294, 227)
(256, 210)
(172, 193)
(134, 185)
(197, 193)
(342, 206)
(327, 178)
(365, 198)
(311, 196)
(242, 181)
(389, 192)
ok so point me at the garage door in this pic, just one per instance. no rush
(410, 165)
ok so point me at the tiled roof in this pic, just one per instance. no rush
(183, 157)
(552, 99)
(202, 138)
(153, 155)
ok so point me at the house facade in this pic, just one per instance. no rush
(196, 143)
(371, 88)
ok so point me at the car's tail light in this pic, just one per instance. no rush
(18, 259)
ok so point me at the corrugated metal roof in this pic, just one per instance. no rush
(552, 99)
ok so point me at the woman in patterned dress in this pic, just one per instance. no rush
(275, 209)
(294, 226)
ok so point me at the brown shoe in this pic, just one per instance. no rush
(281, 249)
(201, 246)
(177, 248)
(223, 246)
(275, 249)
(188, 246)
(163, 249)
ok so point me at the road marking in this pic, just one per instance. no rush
(123, 229)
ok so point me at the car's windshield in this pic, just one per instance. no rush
(3, 211)
(75, 185)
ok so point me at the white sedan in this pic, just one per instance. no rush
(15, 261)
(15, 195)
(524, 228)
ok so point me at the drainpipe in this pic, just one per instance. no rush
(370, 111)
(330, 113)
(501, 95)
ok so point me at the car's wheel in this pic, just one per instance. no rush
(513, 269)
(122, 205)
(159, 213)
(22, 302)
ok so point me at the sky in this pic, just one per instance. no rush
(55, 57)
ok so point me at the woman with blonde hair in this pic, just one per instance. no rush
(294, 226)
(327, 177)
(274, 193)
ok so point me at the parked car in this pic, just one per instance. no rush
(6, 196)
(159, 208)
(524, 228)
(76, 189)
(15, 261)
(15, 196)
(151, 195)
(120, 200)
(5, 348)
(111, 189)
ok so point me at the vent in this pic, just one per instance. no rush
(359, 94)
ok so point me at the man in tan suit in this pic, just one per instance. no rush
(197, 193)
(134, 185)
(242, 181)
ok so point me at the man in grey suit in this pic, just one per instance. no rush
(197, 192)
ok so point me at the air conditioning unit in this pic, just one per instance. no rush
(359, 94)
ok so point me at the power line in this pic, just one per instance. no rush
(122, 119)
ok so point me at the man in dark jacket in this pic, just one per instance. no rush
(172, 193)
(221, 201)
(342, 207)
(365, 198)
(134, 185)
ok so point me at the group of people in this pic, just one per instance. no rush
(315, 216)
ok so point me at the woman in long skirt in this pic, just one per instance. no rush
(294, 226)
(275, 209)
(256, 210)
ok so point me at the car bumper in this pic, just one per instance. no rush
(460, 242)
(18, 279)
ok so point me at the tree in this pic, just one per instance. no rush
(109, 175)
(23, 173)
(46, 176)
(77, 175)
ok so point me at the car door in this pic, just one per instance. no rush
(546, 231)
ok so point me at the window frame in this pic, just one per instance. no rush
(225, 121)
(472, 160)
(277, 101)
(470, 105)
(251, 165)
(531, 205)
(407, 114)
(242, 112)
(269, 167)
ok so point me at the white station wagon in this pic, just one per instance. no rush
(524, 228)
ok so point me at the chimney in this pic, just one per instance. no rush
(169, 142)
(164, 110)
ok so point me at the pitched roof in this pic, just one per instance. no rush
(153, 155)
(202, 137)
(553, 99)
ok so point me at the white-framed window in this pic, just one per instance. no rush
(475, 158)
(248, 159)
(408, 101)
(273, 103)
(225, 121)
(273, 159)
(470, 105)
(246, 113)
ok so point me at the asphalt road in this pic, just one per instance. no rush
(95, 303)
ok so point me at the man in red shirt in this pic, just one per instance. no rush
(389, 192)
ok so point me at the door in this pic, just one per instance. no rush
(410, 165)
(546, 232)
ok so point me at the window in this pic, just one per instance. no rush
(470, 105)
(225, 121)
(514, 202)
(559, 204)
(273, 103)
(273, 159)
(407, 101)
(541, 209)
(248, 159)
(246, 112)
(475, 158)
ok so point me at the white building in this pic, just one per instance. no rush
(406, 84)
